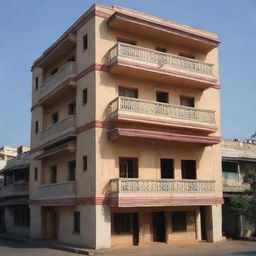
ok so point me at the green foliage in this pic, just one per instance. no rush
(245, 204)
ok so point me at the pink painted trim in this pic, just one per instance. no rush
(185, 124)
(130, 201)
(117, 132)
(159, 25)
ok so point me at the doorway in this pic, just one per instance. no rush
(159, 233)
(51, 227)
(203, 223)
(2, 220)
(135, 228)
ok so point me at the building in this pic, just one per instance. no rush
(125, 133)
(6, 153)
(238, 158)
(14, 194)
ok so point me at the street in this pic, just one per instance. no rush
(235, 248)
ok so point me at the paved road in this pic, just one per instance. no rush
(9, 248)
(227, 248)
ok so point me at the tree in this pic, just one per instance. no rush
(245, 204)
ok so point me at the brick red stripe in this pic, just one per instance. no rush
(157, 121)
(117, 132)
(130, 201)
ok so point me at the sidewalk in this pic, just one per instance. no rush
(46, 244)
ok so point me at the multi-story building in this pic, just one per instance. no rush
(125, 133)
(14, 194)
(238, 159)
(6, 153)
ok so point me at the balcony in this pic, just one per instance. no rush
(232, 183)
(139, 62)
(161, 114)
(57, 190)
(16, 189)
(59, 131)
(59, 83)
(154, 192)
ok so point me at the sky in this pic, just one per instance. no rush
(28, 27)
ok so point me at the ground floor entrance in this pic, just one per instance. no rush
(144, 226)
(158, 224)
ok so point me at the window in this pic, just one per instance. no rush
(72, 170)
(230, 167)
(188, 169)
(167, 170)
(55, 70)
(21, 215)
(159, 49)
(186, 55)
(127, 92)
(36, 82)
(85, 42)
(53, 174)
(35, 174)
(85, 163)
(128, 167)
(72, 108)
(162, 97)
(55, 117)
(179, 222)
(71, 59)
(76, 223)
(126, 41)
(84, 96)
(36, 127)
(122, 223)
(187, 101)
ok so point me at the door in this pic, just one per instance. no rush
(159, 234)
(203, 226)
(51, 224)
(135, 228)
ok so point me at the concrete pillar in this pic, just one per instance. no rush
(213, 223)
(198, 224)
(103, 226)
(36, 222)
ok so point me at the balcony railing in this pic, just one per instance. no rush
(14, 190)
(160, 109)
(68, 71)
(58, 128)
(159, 58)
(133, 185)
(57, 189)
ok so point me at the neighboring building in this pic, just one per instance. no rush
(14, 195)
(125, 134)
(6, 153)
(238, 158)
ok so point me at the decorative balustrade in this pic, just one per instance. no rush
(68, 71)
(159, 58)
(160, 109)
(14, 190)
(58, 128)
(57, 189)
(123, 185)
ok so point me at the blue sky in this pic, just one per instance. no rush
(28, 27)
